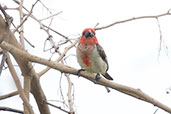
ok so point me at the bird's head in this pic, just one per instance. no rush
(88, 36)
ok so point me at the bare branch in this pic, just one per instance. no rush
(19, 87)
(61, 92)
(2, 62)
(24, 37)
(30, 13)
(7, 17)
(9, 95)
(5, 36)
(51, 16)
(70, 101)
(11, 109)
(161, 40)
(21, 25)
(41, 24)
(160, 37)
(58, 107)
(60, 58)
(45, 7)
(137, 93)
(55, 31)
(142, 17)
(132, 19)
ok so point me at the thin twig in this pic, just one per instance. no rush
(161, 40)
(160, 37)
(132, 19)
(24, 37)
(29, 14)
(41, 24)
(51, 16)
(9, 95)
(55, 31)
(11, 109)
(21, 25)
(45, 7)
(61, 92)
(2, 62)
(70, 101)
(6, 8)
(58, 107)
(59, 58)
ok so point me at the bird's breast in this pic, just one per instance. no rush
(85, 51)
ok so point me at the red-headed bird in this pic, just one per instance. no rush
(91, 56)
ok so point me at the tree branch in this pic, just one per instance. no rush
(11, 110)
(59, 58)
(25, 19)
(17, 82)
(41, 24)
(58, 107)
(70, 101)
(51, 16)
(9, 95)
(21, 23)
(137, 93)
(132, 19)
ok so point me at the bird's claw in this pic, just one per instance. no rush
(78, 73)
(97, 77)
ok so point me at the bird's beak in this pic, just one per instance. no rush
(89, 34)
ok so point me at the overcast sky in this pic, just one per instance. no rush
(132, 49)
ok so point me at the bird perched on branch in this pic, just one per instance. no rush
(91, 56)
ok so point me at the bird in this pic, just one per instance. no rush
(91, 56)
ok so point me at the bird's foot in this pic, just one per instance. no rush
(97, 77)
(78, 73)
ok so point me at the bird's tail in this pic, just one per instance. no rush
(107, 76)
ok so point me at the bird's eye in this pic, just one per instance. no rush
(83, 33)
(94, 33)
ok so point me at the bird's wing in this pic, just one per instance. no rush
(102, 54)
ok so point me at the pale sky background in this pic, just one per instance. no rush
(132, 50)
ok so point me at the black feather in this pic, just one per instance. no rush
(107, 76)
(102, 54)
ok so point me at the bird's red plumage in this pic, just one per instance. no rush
(90, 41)
(86, 60)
